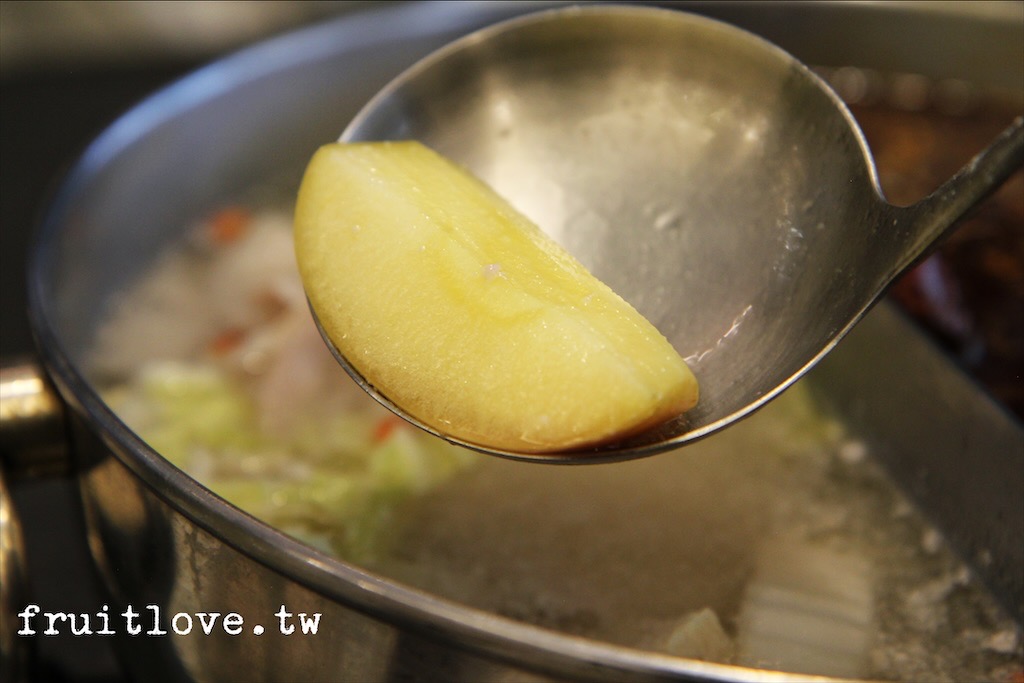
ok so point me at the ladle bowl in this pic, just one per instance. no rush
(706, 175)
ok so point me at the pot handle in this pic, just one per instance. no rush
(33, 442)
(33, 437)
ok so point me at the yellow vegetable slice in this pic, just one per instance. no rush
(466, 315)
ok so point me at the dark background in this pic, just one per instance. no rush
(46, 118)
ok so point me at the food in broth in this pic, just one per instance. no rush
(779, 543)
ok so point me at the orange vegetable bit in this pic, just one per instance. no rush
(385, 427)
(229, 224)
(226, 342)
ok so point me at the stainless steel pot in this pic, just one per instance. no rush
(159, 538)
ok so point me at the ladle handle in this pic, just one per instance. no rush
(935, 215)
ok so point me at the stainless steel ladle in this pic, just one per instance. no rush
(707, 176)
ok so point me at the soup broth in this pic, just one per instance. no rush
(778, 543)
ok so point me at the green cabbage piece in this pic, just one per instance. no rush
(330, 482)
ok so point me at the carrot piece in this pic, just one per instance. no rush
(229, 224)
(385, 427)
(227, 341)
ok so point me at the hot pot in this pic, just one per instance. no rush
(159, 538)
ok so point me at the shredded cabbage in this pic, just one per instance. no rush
(333, 483)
